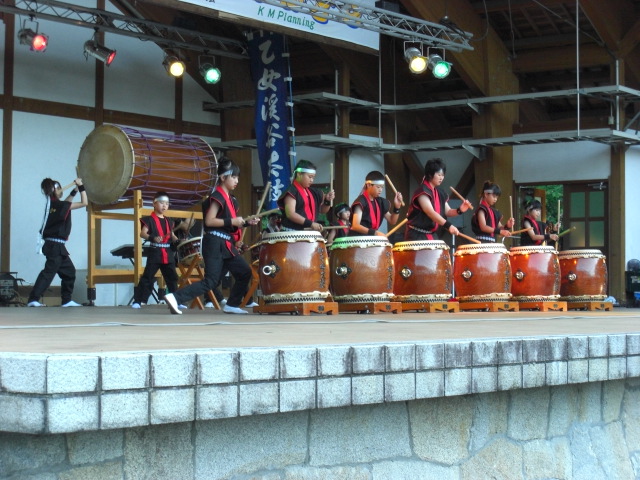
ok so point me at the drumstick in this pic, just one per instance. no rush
(331, 180)
(395, 229)
(267, 187)
(68, 186)
(511, 207)
(392, 187)
(461, 198)
(329, 227)
(468, 238)
(566, 231)
(264, 196)
(521, 231)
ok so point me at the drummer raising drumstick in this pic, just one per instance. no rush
(302, 203)
(429, 208)
(157, 230)
(369, 209)
(55, 230)
(220, 244)
(486, 223)
(535, 235)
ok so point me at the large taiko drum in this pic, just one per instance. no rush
(535, 273)
(481, 272)
(189, 249)
(583, 275)
(293, 267)
(423, 271)
(361, 269)
(114, 161)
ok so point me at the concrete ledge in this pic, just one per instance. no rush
(46, 394)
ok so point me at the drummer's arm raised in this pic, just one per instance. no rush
(83, 196)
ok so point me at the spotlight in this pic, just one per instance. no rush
(417, 61)
(210, 73)
(102, 53)
(438, 66)
(174, 65)
(37, 41)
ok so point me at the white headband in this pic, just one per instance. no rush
(161, 198)
(305, 170)
(227, 173)
(488, 191)
(375, 182)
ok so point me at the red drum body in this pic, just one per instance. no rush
(189, 249)
(583, 275)
(114, 161)
(423, 271)
(361, 269)
(293, 267)
(482, 272)
(535, 273)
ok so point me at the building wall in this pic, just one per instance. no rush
(587, 431)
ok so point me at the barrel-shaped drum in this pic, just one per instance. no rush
(293, 267)
(481, 272)
(535, 273)
(188, 250)
(422, 271)
(583, 275)
(361, 269)
(115, 161)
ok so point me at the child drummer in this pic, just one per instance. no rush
(55, 231)
(343, 214)
(429, 208)
(301, 202)
(369, 209)
(157, 230)
(537, 235)
(486, 222)
(220, 244)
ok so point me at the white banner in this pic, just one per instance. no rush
(283, 17)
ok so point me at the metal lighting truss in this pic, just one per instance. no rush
(164, 35)
(360, 15)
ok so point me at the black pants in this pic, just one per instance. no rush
(58, 262)
(217, 258)
(143, 290)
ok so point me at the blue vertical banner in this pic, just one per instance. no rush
(269, 73)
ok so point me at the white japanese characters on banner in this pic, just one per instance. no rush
(284, 17)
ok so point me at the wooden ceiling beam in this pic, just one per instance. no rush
(560, 58)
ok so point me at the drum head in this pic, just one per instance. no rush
(106, 164)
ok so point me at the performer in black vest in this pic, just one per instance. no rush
(369, 209)
(429, 208)
(486, 222)
(343, 214)
(301, 203)
(536, 236)
(158, 231)
(220, 244)
(55, 231)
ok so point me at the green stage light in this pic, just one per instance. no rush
(439, 67)
(210, 73)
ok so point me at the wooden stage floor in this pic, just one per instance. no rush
(111, 329)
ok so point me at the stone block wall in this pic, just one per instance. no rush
(577, 431)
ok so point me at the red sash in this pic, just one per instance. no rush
(232, 211)
(536, 227)
(436, 203)
(165, 236)
(492, 216)
(309, 203)
(374, 212)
